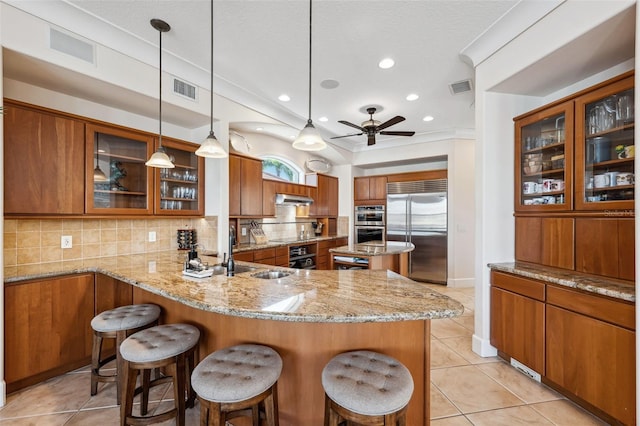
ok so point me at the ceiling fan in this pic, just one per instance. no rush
(372, 127)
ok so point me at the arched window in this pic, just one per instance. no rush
(280, 169)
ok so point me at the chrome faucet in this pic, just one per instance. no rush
(230, 263)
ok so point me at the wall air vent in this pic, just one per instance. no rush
(185, 89)
(460, 87)
(70, 45)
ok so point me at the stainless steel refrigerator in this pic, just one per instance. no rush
(417, 213)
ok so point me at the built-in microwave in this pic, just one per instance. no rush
(369, 215)
(369, 234)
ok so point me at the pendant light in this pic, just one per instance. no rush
(309, 139)
(98, 174)
(160, 158)
(211, 147)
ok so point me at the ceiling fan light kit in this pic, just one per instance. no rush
(211, 147)
(160, 159)
(309, 139)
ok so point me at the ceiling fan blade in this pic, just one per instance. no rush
(371, 139)
(394, 120)
(346, 123)
(398, 133)
(347, 136)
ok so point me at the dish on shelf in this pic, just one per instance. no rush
(531, 170)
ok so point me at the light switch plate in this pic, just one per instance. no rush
(66, 241)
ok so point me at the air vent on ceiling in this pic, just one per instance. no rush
(71, 45)
(460, 87)
(185, 89)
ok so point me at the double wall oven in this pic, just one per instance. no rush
(369, 224)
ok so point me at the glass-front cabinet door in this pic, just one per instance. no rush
(544, 159)
(605, 149)
(180, 191)
(117, 180)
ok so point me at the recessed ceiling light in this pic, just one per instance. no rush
(386, 63)
(329, 84)
(323, 119)
(284, 97)
(428, 118)
(259, 129)
(412, 97)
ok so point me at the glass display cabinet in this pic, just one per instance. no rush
(117, 180)
(605, 149)
(544, 159)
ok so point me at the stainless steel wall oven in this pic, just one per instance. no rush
(369, 215)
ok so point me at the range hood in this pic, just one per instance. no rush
(293, 200)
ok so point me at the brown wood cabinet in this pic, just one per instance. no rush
(545, 240)
(322, 258)
(517, 319)
(47, 328)
(245, 186)
(326, 199)
(271, 187)
(370, 189)
(44, 161)
(180, 191)
(605, 246)
(265, 256)
(591, 357)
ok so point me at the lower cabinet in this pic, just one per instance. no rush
(47, 328)
(581, 343)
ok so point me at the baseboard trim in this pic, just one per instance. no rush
(483, 347)
(3, 393)
(461, 282)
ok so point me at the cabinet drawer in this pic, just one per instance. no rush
(264, 254)
(282, 260)
(282, 251)
(615, 312)
(246, 256)
(325, 244)
(267, 261)
(524, 286)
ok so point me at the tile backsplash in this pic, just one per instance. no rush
(33, 241)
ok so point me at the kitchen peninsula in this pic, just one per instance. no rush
(391, 255)
(308, 316)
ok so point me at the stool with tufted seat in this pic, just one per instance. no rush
(238, 378)
(173, 346)
(117, 324)
(367, 388)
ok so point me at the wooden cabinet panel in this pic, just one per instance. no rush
(47, 328)
(626, 249)
(592, 360)
(245, 186)
(361, 188)
(111, 293)
(269, 197)
(605, 246)
(522, 286)
(545, 240)
(370, 188)
(517, 327)
(44, 162)
(326, 199)
(246, 256)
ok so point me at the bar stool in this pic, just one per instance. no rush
(171, 345)
(366, 387)
(118, 324)
(238, 378)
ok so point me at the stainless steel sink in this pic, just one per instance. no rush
(270, 274)
(218, 269)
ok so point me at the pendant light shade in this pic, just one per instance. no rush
(98, 175)
(211, 147)
(309, 139)
(159, 158)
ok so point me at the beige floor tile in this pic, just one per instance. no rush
(443, 328)
(513, 416)
(443, 356)
(451, 421)
(100, 416)
(192, 415)
(45, 420)
(462, 345)
(68, 392)
(522, 386)
(470, 390)
(565, 413)
(467, 321)
(440, 405)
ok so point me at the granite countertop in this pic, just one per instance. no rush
(390, 247)
(283, 242)
(303, 296)
(611, 287)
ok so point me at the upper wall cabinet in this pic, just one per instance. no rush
(180, 191)
(44, 162)
(605, 149)
(544, 159)
(370, 189)
(121, 155)
(326, 195)
(245, 186)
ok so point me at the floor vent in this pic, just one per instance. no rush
(71, 45)
(525, 370)
(185, 89)
(460, 87)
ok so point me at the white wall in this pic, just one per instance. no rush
(3, 384)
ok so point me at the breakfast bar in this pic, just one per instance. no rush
(307, 316)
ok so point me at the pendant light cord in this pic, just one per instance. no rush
(310, 32)
(211, 87)
(160, 96)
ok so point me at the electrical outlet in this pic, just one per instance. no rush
(152, 266)
(66, 242)
(152, 236)
(244, 232)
